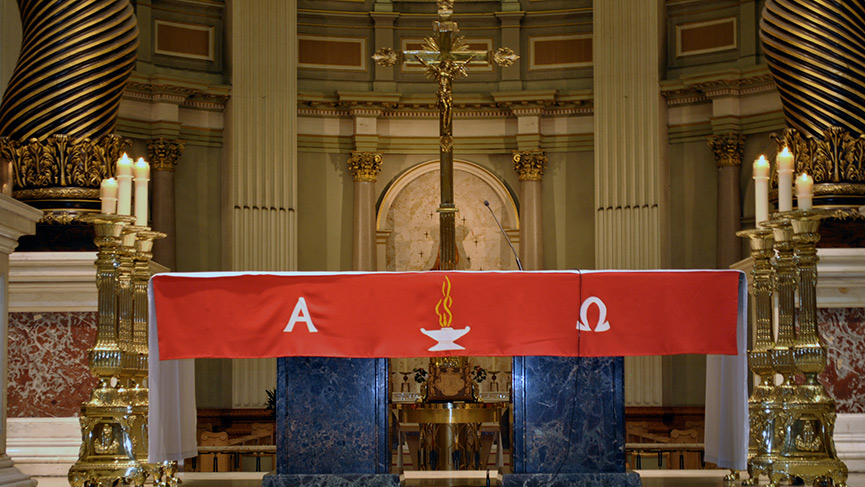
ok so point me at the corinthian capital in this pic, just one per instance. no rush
(364, 166)
(164, 153)
(728, 148)
(530, 165)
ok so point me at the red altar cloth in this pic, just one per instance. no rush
(421, 314)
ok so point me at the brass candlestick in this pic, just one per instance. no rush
(791, 425)
(761, 403)
(114, 420)
(808, 414)
(107, 452)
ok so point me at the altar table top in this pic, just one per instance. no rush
(440, 313)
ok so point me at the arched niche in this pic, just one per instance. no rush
(407, 223)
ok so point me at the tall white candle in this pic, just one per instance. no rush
(761, 190)
(142, 176)
(784, 165)
(124, 185)
(804, 192)
(108, 195)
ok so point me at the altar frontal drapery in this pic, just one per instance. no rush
(418, 314)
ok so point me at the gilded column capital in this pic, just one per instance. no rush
(164, 153)
(728, 148)
(364, 166)
(529, 165)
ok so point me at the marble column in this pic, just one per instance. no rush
(163, 155)
(529, 165)
(364, 166)
(16, 219)
(632, 227)
(728, 149)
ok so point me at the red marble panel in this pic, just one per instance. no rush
(48, 373)
(843, 332)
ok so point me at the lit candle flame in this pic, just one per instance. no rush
(446, 317)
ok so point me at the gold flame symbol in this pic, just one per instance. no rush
(446, 317)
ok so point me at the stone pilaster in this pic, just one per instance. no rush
(728, 149)
(529, 166)
(17, 219)
(364, 166)
(260, 159)
(164, 154)
(632, 227)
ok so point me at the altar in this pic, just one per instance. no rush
(567, 331)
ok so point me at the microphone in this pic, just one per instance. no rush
(519, 264)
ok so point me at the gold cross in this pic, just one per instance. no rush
(446, 56)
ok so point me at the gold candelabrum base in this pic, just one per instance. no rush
(114, 419)
(791, 425)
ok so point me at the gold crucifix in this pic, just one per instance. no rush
(446, 56)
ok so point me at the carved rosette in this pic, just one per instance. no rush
(364, 166)
(728, 149)
(529, 165)
(164, 153)
(61, 174)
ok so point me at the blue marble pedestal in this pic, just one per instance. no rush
(569, 423)
(331, 423)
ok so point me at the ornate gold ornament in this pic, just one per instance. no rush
(163, 153)
(114, 419)
(364, 166)
(836, 161)
(385, 57)
(791, 425)
(61, 172)
(530, 165)
(505, 57)
(728, 149)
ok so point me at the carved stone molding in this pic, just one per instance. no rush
(529, 165)
(364, 166)
(211, 98)
(164, 153)
(728, 148)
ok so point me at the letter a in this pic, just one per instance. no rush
(300, 313)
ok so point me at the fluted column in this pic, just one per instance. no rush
(632, 221)
(529, 166)
(728, 149)
(164, 155)
(261, 153)
(364, 166)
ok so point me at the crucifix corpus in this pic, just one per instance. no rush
(446, 56)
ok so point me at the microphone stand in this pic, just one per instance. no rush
(519, 264)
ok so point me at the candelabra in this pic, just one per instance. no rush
(114, 420)
(791, 424)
